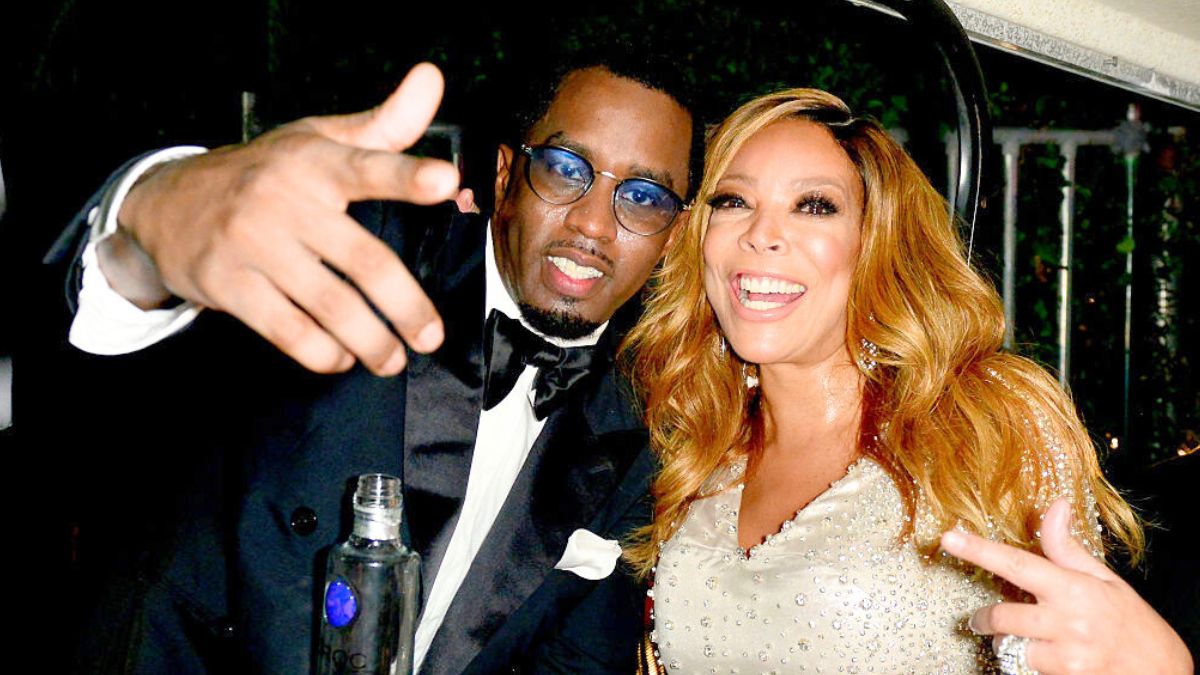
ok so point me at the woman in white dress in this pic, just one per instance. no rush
(822, 378)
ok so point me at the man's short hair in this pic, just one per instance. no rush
(651, 70)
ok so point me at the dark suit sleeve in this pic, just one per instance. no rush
(602, 632)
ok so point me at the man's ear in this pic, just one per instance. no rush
(504, 166)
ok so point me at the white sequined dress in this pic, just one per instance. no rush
(832, 592)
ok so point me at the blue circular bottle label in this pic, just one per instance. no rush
(341, 604)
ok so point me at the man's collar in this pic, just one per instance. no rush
(497, 298)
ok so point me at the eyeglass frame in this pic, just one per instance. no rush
(527, 152)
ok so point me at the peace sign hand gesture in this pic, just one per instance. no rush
(1085, 619)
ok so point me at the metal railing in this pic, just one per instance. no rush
(1127, 140)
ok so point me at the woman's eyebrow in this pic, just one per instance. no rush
(740, 177)
(821, 181)
(801, 183)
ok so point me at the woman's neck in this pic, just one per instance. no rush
(811, 420)
(814, 406)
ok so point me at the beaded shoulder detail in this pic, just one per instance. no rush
(1051, 467)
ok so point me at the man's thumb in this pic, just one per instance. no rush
(395, 124)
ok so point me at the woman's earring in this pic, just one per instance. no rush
(750, 377)
(721, 346)
(868, 352)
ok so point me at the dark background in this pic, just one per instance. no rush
(89, 84)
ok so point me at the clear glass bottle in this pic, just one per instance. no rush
(372, 589)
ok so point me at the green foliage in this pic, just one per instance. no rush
(1126, 246)
(1164, 404)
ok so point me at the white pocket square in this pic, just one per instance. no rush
(589, 556)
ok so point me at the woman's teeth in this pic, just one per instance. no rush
(760, 305)
(573, 269)
(783, 290)
(769, 285)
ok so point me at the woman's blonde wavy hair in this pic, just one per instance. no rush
(986, 438)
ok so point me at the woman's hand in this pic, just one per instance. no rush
(1086, 619)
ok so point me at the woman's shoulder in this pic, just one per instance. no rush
(729, 474)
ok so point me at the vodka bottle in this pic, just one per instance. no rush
(372, 586)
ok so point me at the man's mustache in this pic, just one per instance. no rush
(578, 246)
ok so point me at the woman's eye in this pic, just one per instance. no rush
(816, 205)
(725, 201)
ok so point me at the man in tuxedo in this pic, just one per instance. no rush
(521, 454)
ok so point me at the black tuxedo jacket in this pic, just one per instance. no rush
(230, 584)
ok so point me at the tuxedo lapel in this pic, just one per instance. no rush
(444, 390)
(573, 468)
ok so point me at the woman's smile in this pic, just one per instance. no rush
(763, 296)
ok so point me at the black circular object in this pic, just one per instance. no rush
(304, 521)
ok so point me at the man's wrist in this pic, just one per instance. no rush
(126, 267)
(104, 220)
(131, 273)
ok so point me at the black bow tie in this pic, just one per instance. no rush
(509, 347)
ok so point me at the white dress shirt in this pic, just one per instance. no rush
(506, 434)
(106, 323)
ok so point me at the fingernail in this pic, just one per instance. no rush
(953, 539)
(430, 336)
(971, 624)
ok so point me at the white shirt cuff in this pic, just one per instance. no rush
(105, 322)
(108, 324)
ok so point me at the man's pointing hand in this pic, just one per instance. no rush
(245, 229)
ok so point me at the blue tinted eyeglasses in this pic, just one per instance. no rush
(561, 176)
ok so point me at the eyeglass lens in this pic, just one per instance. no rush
(560, 176)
